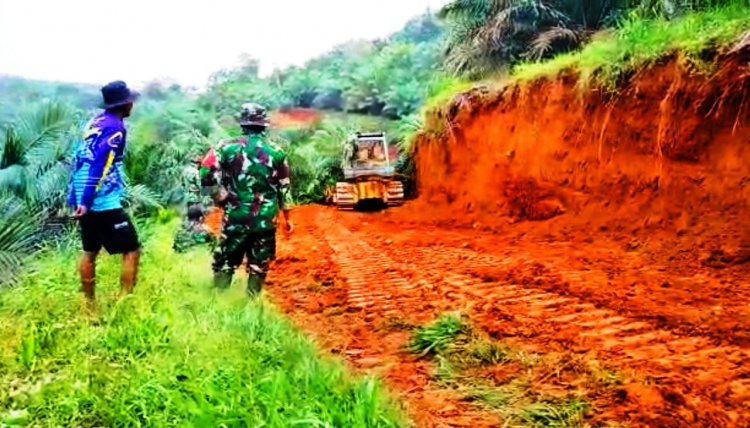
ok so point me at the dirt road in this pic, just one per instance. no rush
(678, 343)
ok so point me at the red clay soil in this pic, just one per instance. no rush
(666, 157)
(606, 228)
(312, 281)
(214, 219)
(295, 118)
(345, 278)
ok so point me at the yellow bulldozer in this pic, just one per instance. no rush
(369, 172)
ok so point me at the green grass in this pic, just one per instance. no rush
(555, 414)
(452, 340)
(639, 42)
(456, 347)
(174, 354)
(443, 89)
(436, 337)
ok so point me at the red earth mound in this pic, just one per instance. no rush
(295, 118)
(665, 156)
(669, 146)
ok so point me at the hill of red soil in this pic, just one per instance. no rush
(664, 160)
(294, 118)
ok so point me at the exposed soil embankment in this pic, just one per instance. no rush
(668, 151)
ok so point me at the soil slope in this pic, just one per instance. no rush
(665, 157)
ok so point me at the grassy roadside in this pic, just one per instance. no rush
(636, 43)
(640, 42)
(606, 60)
(174, 354)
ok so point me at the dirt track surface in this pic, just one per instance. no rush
(344, 276)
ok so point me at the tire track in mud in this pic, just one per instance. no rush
(711, 381)
(375, 282)
(344, 316)
(696, 382)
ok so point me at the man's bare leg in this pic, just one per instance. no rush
(87, 269)
(129, 272)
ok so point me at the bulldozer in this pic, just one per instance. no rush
(369, 172)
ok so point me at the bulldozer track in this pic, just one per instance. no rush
(417, 282)
(369, 294)
(374, 280)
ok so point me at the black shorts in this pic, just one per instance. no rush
(111, 229)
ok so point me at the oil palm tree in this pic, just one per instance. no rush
(488, 35)
(19, 236)
(33, 180)
(33, 153)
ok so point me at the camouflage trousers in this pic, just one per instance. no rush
(238, 242)
(191, 234)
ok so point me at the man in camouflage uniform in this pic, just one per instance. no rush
(196, 194)
(193, 232)
(251, 181)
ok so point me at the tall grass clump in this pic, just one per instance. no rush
(437, 336)
(175, 353)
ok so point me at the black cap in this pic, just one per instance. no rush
(116, 94)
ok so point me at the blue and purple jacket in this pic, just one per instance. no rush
(98, 171)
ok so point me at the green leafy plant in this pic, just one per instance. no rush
(439, 335)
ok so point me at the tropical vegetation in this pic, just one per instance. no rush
(151, 357)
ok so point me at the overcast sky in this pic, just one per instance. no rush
(96, 41)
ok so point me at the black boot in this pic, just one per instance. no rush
(222, 280)
(254, 285)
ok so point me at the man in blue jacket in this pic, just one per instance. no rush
(97, 189)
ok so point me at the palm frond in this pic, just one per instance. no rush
(35, 141)
(471, 10)
(12, 149)
(15, 179)
(545, 42)
(522, 17)
(18, 237)
(50, 187)
(44, 129)
(139, 197)
(487, 36)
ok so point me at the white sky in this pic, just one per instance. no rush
(96, 41)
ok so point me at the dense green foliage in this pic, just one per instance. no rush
(35, 152)
(173, 354)
(33, 177)
(165, 138)
(637, 35)
(382, 77)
